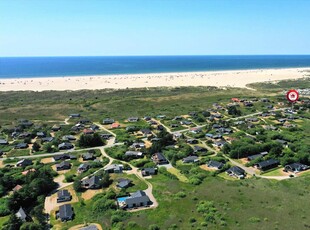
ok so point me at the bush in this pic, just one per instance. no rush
(153, 227)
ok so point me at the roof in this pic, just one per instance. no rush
(24, 162)
(297, 166)
(21, 214)
(149, 170)
(267, 163)
(63, 193)
(88, 155)
(124, 183)
(236, 170)
(190, 159)
(90, 227)
(133, 153)
(94, 180)
(63, 164)
(65, 211)
(215, 164)
(3, 142)
(160, 157)
(137, 197)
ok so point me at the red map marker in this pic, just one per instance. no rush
(292, 95)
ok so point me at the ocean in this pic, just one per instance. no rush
(26, 67)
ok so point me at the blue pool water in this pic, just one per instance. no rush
(120, 199)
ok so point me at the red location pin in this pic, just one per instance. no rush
(292, 95)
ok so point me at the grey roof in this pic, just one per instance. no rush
(21, 214)
(90, 227)
(88, 156)
(236, 170)
(3, 142)
(268, 163)
(114, 167)
(65, 211)
(63, 164)
(123, 183)
(137, 197)
(47, 139)
(63, 193)
(297, 166)
(190, 159)
(24, 162)
(92, 181)
(149, 170)
(215, 164)
(133, 153)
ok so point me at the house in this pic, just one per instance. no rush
(234, 99)
(47, 139)
(264, 100)
(21, 146)
(196, 130)
(133, 119)
(236, 172)
(159, 159)
(25, 122)
(137, 199)
(65, 145)
(108, 121)
(161, 116)
(199, 149)
(88, 131)
(85, 121)
(177, 118)
(88, 156)
(63, 196)
(248, 103)
(65, 212)
(219, 144)
(123, 183)
(283, 142)
(192, 141)
(251, 119)
(64, 157)
(268, 164)
(68, 138)
(138, 145)
(114, 168)
(21, 214)
(146, 132)
(75, 115)
(41, 134)
(17, 188)
(174, 125)
(147, 118)
(92, 182)
(216, 126)
(215, 164)
(106, 136)
(209, 135)
(3, 142)
(89, 227)
(186, 122)
(148, 171)
(239, 122)
(94, 127)
(253, 157)
(83, 168)
(65, 165)
(134, 154)
(56, 128)
(295, 167)
(193, 114)
(190, 159)
(23, 163)
(115, 125)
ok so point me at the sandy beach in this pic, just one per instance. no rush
(236, 78)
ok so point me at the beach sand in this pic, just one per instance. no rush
(236, 78)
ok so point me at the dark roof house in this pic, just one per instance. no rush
(92, 182)
(63, 196)
(159, 159)
(215, 164)
(63, 166)
(65, 212)
(236, 172)
(268, 164)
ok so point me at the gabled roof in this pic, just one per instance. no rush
(137, 197)
(123, 183)
(94, 180)
(65, 211)
(21, 214)
(267, 163)
(236, 170)
(215, 164)
(63, 193)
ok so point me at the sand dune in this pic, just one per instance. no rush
(237, 78)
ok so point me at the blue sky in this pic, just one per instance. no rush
(153, 27)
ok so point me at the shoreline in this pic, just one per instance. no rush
(225, 78)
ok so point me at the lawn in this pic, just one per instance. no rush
(3, 220)
(178, 174)
(275, 172)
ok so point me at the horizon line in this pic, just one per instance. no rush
(164, 55)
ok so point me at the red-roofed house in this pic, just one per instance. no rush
(234, 99)
(88, 131)
(115, 125)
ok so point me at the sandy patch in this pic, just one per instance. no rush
(205, 167)
(90, 193)
(51, 204)
(47, 160)
(235, 78)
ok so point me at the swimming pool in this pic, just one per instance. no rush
(120, 199)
